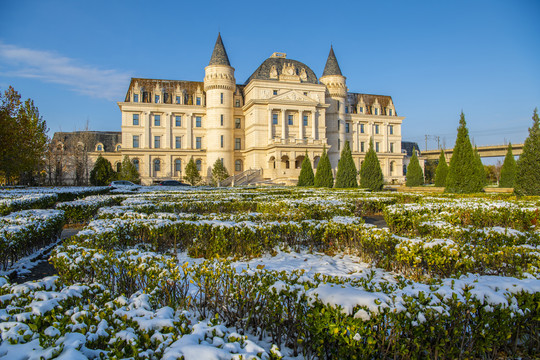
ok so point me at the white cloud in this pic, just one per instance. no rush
(51, 67)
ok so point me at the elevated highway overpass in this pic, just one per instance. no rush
(484, 151)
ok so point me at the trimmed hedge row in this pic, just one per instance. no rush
(82, 211)
(24, 232)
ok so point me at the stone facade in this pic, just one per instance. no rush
(268, 123)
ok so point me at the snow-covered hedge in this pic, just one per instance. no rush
(81, 211)
(14, 202)
(23, 232)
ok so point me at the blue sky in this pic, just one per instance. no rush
(435, 58)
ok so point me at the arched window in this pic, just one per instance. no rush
(199, 164)
(136, 163)
(99, 147)
(238, 165)
(157, 165)
(118, 166)
(118, 147)
(178, 165)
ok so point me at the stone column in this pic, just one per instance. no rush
(168, 141)
(147, 138)
(150, 165)
(189, 131)
(358, 136)
(270, 127)
(283, 124)
(301, 124)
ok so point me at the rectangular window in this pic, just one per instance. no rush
(135, 119)
(221, 98)
(346, 109)
(362, 146)
(377, 147)
(178, 165)
(237, 144)
(338, 144)
(198, 142)
(237, 103)
(376, 129)
(178, 142)
(362, 128)
(157, 120)
(338, 124)
(178, 121)
(290, 120)
(178, 99)
(305, 120)
(390, 112)
(347, 127)
(338, 105)
(376, 111)
(361, 109)
(135, 141)
(198, 121)
(274, 119)
(238, 123)
(157, 99)
(135, 97)
(157, 142)
(275, 92)
(221, 141)
(391, 147)
(391, 129)
(198, 101)
(221, 119)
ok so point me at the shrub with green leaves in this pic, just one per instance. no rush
(102, 173)
(306, 177)
(346, 172)
(528, 165)
(371, 176)
(324, 176)
(442, 171)
(192, 173)
(415, 175)
(508, 169)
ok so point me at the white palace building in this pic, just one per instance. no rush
(264, 126)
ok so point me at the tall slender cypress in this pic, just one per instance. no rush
(528, 165)
(442, 171)
(324, 176)
(415, 175)
(306, 177)
(346, 172)
(463, 171)
(371, 176)
(508, 169)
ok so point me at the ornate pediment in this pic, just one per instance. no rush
(293, 96)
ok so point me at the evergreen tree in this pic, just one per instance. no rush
(23, 138)
(306, 177)
(128, 171)
(442, 171)
(528, 165)
(481, 171)
(102, 172)
(415, 175)
(508, 170)
(371, 176)
(324, 176)
(463, 171)
(346, 173)
(192, 174)
(219, 172)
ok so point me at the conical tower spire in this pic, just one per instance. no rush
(219, 56)
(332, 66)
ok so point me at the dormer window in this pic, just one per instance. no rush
(135, 97)
(237, 103)
(361, 109)
(118, 147)
(178, 99)
(198, 101)
(390, 112)
(99, 147)
(157, 99)
(376, 111)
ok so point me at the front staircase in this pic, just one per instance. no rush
(248, 177)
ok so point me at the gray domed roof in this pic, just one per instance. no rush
(263, 71)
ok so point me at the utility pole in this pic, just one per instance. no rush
(434, 137)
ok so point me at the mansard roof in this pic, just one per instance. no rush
(219, 56)
(190, 87)
(332, 66)
(263, 71)
(369, 100)
(109, 139)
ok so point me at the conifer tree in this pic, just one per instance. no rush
(192, 174)
(346, 172)
(371, 176)
(306, 177)
(415, 175)
(508, 170)
(463, 171)
(219, 172)
(324, 176)
(128, 171)
(481, 171)
(528, 165)
(442, 171)
(102, 173)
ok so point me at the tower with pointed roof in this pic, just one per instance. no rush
(336, 96)
(219, 85)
